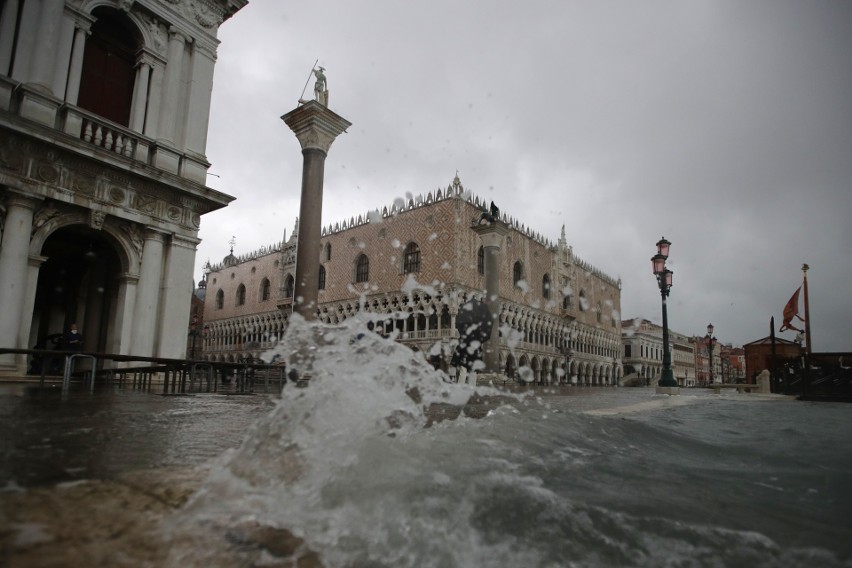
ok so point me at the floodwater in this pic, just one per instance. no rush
(53, 438)
(575, 477)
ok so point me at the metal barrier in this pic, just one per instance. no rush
(177, 376)
(69, 367)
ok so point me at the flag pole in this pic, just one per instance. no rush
(805, 268)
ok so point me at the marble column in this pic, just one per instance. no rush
(316, 128)
(75, 71)
(492, 235)
(171, 87)
(200, 91)
(176, 297)
(46, 46)
(121, 320)
(14, 272)
(155, 96)
(140, 95)
(145, 311)
(8, 22)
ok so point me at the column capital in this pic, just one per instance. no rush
(492, 233)
(25, 200)
(155, 234)
(184, 241)
(315, 126)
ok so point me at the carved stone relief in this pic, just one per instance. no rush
(116, 195)
(145, 203)
(84, 183)
(11, 158)
(48, 173)
(96, 219)
(135, 235)
(43, 215)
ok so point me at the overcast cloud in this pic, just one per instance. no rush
(724, 126)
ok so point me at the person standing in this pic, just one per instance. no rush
(73, 340)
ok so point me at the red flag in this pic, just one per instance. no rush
(791, 310)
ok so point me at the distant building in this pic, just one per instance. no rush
(642, 341)
(758, 355)
(410, 268)
(104, 108)
(736, 367)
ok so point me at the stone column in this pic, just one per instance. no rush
(171, 87)
(176, 297)
(49, 33)
(121, 320)
(316, 127)
(155, 96)
(8, 18)
(63, 56)
(148, 294)
(200, 90)
(75, 72)
(24, 51)
(492, 234)
(14, 271)
(140, 95)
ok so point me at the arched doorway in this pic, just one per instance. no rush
(77, 284)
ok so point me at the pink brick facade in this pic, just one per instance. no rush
(581, 316)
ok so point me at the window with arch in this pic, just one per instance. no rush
(327, 252)
(264, 289)
(545, 286)
(517, 272)
(220, 299)
(599, 313)
(582, 302)
(241, 294)
(321, 284)
(411, 259)
(109, 60)
(362, 268)
(480, 261)
(289, 286)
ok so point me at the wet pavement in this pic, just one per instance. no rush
(50, 437)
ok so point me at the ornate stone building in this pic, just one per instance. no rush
(409, 268)
(104, 107)
(643, 354)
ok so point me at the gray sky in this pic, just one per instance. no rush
(725, 126)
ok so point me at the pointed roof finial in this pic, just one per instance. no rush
(232, 242)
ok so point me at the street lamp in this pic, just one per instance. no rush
(710, 339)
(664, 280)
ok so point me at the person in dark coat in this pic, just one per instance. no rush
(73, 340)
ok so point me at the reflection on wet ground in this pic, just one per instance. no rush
(52, 438)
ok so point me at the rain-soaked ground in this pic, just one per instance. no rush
(50, 437)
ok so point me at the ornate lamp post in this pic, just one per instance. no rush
(664, 280)
(710, 340)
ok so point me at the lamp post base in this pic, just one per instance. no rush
(667, 379)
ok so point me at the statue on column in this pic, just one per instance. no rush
(320, 88)
(488, 217)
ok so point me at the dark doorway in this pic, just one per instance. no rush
(77, 284)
